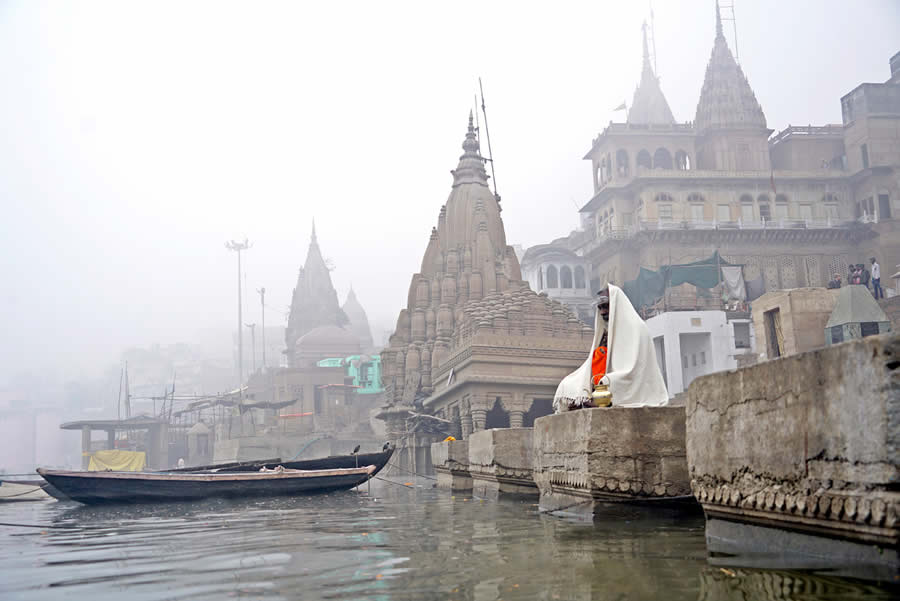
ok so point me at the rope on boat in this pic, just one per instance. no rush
(27, 492)
(394, 465)
(392, 482)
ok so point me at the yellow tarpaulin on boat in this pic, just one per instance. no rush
(118, 461)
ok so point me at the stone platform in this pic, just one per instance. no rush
(808, 443)
(500, 462)
(585, 458)
(451, 464)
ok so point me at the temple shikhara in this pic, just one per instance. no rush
(475, 347)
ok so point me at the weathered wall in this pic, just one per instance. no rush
(612, 454)
(804, 313)
(810, 441)
(451, 464)
(500, 462)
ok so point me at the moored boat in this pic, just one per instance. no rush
(155, 487)
(379, 460)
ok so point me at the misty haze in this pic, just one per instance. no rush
(479, 301)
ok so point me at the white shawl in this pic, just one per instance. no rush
(632, 372)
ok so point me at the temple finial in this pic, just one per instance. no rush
(646, 48)
(471, 124)
(719, 33)
(313, 237)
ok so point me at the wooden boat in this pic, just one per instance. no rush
(379, 460)
(154, 487)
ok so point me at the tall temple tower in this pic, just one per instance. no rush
(649, 105)
(731, 128)
(359, 321)
(474, 341)
(314, 302)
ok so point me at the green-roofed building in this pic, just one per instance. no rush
(364, 369)
(856, 314)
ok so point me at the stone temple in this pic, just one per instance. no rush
(475, 347)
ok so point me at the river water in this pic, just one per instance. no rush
(392, 542)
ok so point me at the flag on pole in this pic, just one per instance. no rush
(621, 107)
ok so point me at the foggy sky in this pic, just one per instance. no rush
(139, 137)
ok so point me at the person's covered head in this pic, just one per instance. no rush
(872, 260)
(603, 303)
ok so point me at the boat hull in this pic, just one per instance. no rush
(156, 487)
(379, 460)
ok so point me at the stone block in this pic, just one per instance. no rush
(500, 462)
(451, 464)
(809, 442)
(585, 458)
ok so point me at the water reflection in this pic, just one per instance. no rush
(395, 543)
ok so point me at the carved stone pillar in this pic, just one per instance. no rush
(465, 417)
(480, 405)
(516, 405)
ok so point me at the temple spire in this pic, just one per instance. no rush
(646, 47)
(719, 33)
(312, 239)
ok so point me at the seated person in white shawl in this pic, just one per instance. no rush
(621, 356)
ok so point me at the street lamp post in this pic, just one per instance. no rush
(262, 302)
(238, 246)
(252, 327)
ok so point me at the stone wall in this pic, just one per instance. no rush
(809, 442)
(451, 464)
(803, 313)
(500, 462)
(618, 454)
(891, 308)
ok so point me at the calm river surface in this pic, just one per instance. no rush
(391, 543)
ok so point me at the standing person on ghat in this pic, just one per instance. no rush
(622, 356)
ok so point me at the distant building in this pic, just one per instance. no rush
(562, 275)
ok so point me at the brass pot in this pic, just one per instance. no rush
(601, 397)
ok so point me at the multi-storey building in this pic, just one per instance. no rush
(793, 208)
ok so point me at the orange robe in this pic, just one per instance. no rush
(598, 365)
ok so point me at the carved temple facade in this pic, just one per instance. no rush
(475, 346)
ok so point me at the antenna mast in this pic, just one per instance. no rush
(733, 19)
(487, 134)
(653, 40)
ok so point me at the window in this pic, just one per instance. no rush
(693, 359)
(565, 277)
(764, 213)
(774, 340)
(698, 198)
(806, 212)
(665, 212)
(837, 334)
(723, 213)
(696, 212)
(702, 357)
(884, 206)
(552, 281)
(864, 151)
(662, 159)
(540, 279)
(747, 212)
(579, 276)
(684, 362)
(643, 159)
(741, 335)
(781, 211)
(868, 328)
(831, 211)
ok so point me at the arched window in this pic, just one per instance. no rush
(622, 163)
(565, 277)
(663, 197)
(540, 279)
(643, 159)
(662, 159)
(829, 197)
(746, 198)
(695, 197)
(781, 198)
(552, 281)
(579, 276)
(682, 160)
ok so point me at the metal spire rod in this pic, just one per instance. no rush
(487, 134)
